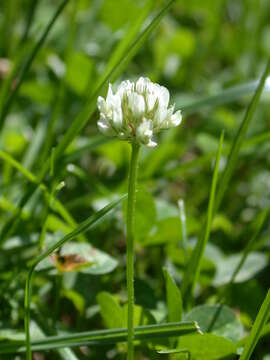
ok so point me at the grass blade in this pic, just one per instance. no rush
(262, 217)
(225, 96)
(193, 269)
(85, 225)
(257, 328)
(239, 139)
(83, 117)
(81, 120)
(101, 337)
(55, 204)
(29, 62)
(30, 17)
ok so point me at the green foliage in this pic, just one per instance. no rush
(174, 298)
(218, 320)
(59, 177)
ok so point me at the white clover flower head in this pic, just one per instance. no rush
(137, 111)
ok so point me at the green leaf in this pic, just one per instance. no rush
(140, 316)
(166, 231)
(208, 347)
(111, 311)
(174, 298)
(226, 267)
(84, 226)
(81, 257)
(218, 320)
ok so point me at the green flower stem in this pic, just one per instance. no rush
(84, 226)
(130, 244)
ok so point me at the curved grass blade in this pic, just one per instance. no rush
(82, 118)
(55, 204)
(225, 96)
(29, 62)
(30, 17)
(257, 328)
(239, 139)
(85, 225)
(262, 217)
(207, 158)
(61, 91)
(124, 45)
(265, 331)
(193, 269)
(102, 337)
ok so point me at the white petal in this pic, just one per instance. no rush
(117, 117)
(151, 98)
(141, 84)
(101, 104)
(104, 127)
(144, 132)
(136, 104)
(164, 96)
(125, 87)
(151, 143)
(176, 119)
(109, 93)
(161, 116)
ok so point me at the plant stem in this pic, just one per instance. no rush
(27, 303)
(130, 244)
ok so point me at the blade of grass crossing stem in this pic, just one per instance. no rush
(239, 139)
(85, 225)
(29, 62)
(193, 268)
(257, 328)
(82, 118)
(124, 44)
(102, 337)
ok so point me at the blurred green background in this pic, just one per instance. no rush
(200, 49)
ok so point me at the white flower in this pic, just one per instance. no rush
(137, 111)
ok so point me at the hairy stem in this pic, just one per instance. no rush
(130, 244)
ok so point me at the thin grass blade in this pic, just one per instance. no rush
(29, 62)
(239, 139)
(102, 337)
(83, 117)
(257, 328)
(225, 96)
(194, 265)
